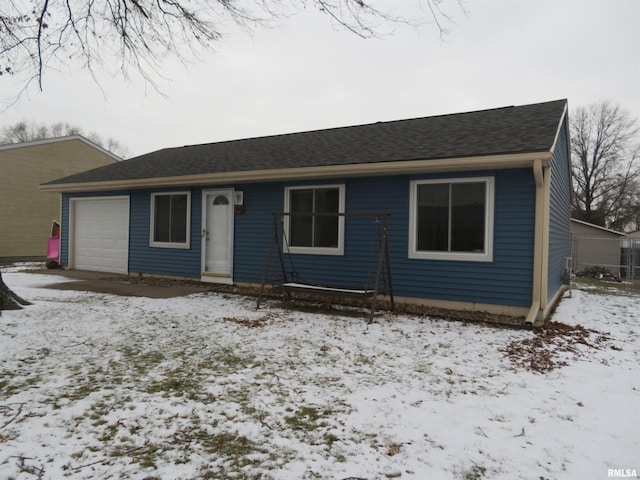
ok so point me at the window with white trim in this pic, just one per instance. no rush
(452, 219)
(170, 219)
(320, 234)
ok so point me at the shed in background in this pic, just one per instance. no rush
(595, 247)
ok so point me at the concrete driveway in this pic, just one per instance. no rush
(101, 282)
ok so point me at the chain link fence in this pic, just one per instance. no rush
(612, 259)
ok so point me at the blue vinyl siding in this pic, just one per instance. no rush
(559, 211)
(158, 260)
(253, 229)
(507, 279)
(504, 281)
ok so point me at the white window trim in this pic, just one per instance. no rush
(152, 216)
(486, 256)
(315, 250)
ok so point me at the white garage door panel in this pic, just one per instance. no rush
(101, 235)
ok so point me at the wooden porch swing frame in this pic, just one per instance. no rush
(289, 280)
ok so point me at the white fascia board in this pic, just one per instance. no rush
(520, 160)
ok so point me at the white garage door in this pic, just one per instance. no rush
(100, 235)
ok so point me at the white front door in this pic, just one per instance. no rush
(217, 236)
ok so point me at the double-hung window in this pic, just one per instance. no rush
(452, 219)
(313, 225)
(170, 219)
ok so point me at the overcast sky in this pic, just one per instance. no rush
(307, 74)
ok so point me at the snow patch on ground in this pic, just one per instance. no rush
(205, 386)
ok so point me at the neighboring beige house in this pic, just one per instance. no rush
(593, 245)
(26, 212)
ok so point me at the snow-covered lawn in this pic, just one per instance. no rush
(99, 386)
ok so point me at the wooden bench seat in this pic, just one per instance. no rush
(327, 291)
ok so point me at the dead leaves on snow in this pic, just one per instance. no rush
(252, 322)
(552, 345)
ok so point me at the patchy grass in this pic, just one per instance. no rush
(307, 418)
(604, 287)
(476, 472)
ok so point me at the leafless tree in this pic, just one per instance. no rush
(28, 131)
(605, 151)
(120, 35)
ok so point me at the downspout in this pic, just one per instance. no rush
(544, 286)
(537, 243)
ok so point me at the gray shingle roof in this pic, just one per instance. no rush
(508, 130)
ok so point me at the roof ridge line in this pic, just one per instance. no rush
(360, 125)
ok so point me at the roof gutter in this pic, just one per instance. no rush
(520, 160)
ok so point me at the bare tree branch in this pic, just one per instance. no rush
(139, 35)
(41, 26)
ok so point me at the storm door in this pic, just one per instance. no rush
(217, 236)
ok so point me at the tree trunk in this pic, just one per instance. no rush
(8, 299)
